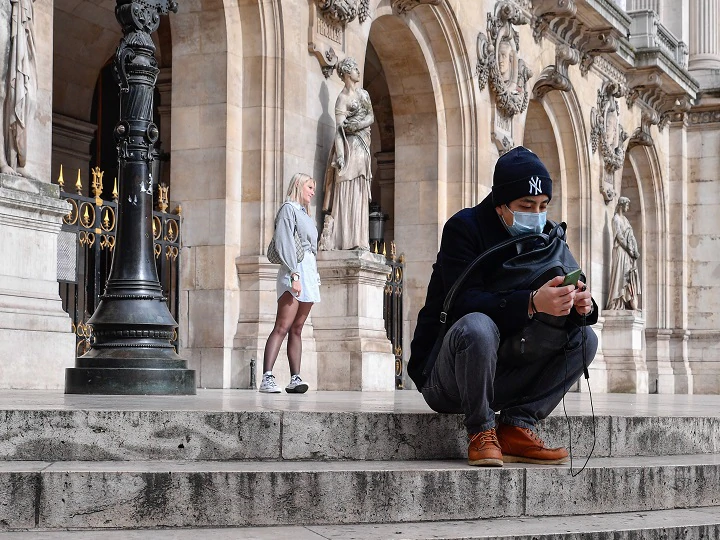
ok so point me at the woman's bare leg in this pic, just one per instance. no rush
(284, 320)
(294, 346)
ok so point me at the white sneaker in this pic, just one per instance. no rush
(268, 384)
(296, 386)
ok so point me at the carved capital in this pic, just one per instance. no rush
(498, 59)
(403, 6)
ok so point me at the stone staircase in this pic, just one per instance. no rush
(280, 469)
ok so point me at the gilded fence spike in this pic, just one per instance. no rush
(78, 184)
(115, 193)
(61, 180)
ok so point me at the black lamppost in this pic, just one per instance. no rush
(132, 327)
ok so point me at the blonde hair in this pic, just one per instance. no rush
(294, 192)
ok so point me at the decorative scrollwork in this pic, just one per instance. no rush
(156, 227)
(107, 242)
(72, 216)
(87, 215)
(86, 238)
(498, 62)
(107, 223)
(172, 231)
(171, 252)
(157, 249)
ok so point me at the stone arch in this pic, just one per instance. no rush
(555, 125)
(642, 183)
(431, 86)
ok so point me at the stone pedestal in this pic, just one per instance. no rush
(36, 342)
(258, 301)
(624, 353)
(352, 348)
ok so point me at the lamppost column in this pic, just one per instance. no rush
(132, 327)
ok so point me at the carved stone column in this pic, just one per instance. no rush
(704, 35)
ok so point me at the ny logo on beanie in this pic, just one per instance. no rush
(535, 185)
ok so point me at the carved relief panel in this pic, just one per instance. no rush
(328, 19)
(500, 65)
(607, 136)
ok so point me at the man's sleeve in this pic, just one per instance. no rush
(458, 249)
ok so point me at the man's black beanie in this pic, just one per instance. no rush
(519, 173)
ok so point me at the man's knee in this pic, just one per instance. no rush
(477, 329)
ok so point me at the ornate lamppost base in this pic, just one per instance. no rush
(139, 371)
(130, 381)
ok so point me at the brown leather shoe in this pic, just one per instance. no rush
(522, 445)
(484, 449)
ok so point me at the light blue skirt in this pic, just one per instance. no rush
(309, 280)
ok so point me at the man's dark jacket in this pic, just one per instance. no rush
(466, 235)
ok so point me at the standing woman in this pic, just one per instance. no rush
(298, 283)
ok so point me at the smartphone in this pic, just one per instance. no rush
(572, 278)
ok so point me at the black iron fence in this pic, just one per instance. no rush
(86, 244)
(393, 309)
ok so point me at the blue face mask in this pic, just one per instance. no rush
(526, 222)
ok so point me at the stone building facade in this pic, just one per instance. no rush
(619, 98)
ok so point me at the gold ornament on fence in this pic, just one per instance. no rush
(61, 179)
(163, 201)
(97, 181)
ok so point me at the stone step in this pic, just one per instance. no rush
(230, 494)
(114, 435)
(688, 524)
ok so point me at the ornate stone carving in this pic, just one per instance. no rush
(704, 117)
(660, 108)
(557, 19)
(594, 43)
(499, 65)
(607, 136)
(363, 10)
(555, 77)
(498, 60)
(338, 11)
(403, 6)
(545, 11)
(641, 136)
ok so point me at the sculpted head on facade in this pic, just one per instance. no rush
(506, 60)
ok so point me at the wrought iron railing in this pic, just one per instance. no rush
(393, 308)
(86, 244)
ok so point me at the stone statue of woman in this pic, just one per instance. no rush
(18, 82)
(348, 176)
(624, 289)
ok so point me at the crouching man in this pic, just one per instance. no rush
(475, 372)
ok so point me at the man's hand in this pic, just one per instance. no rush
(583, 299)
(556, 300)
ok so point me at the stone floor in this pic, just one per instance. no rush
(407, 401)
